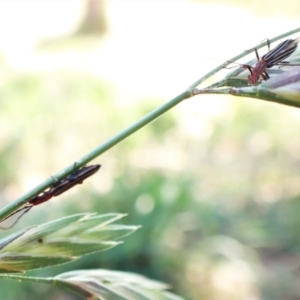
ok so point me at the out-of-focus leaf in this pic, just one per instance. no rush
(16, 263)
(284, 89)
(113, 285)
(5, 241)
(60, 241)
(286, 85)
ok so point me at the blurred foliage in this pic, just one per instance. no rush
(218, 200)
(94, 21)
(219, 212)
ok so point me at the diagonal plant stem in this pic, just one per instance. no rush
(7, 210)
(260, 95)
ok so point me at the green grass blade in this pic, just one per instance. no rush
(113, 285)
(61, 241)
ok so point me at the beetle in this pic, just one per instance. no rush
(274, 57)
(59, 187)
(71, 180)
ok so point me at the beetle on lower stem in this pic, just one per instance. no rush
(59, 187)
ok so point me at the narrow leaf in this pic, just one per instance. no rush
(16, 263)
(61, 241)
(113, 285)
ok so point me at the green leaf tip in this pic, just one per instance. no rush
(114, 285)
(61, 241)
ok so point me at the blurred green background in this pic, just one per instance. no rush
(215, 182)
